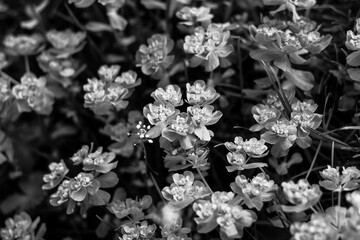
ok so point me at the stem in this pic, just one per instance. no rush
(9, 78)
(27, 66)
(203, 179)
(339, 205)
(314, 159)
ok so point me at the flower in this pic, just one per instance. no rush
(237, 161)
(220, 211)
(138, 231)
(58, 172)
(200, 94)
(80, 155)
(66, 40)
(108, 73)
(61, 195)
(128, 79)
(209, 46)
(131, 207)
(170, 95)
(192, 15)
(23, 44)
(263, 114)
(254, 147)
(260, 189)
(202, 117)
(180, 127)
(32, 93)
(99, 161)
(348, 180)
(319, 227)
(305, 105)
(5, 90)
(83, 184)
(281, 134)
(153, 58)
(290, 5)
(184, 190)
(273, 100)
(301, 193)
(81, 3)
(21, 227)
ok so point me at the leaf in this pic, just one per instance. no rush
(208, 225)
(255, 165)
(354, 74)
(117, 21)
(302, 79)
(100, 198)
(329, 185)
(353, 59)
(97, 27)
(267, 55)
(108, 180)
(153, 4)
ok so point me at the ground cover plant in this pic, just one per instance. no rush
(179, 119)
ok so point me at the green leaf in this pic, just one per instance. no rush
(108, 180)
(353, 59)
(100, 198)
(354, 74)
(97, 27)
(153, 4)
(302, 79)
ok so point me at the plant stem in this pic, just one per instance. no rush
(27, 66)
(314, 159)
(202, 178)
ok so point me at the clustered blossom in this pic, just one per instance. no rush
(32, 94)
(110, 91)
(185, 127)
(192, 15)
(319, 227)
(301, 193)
(184, 190)
(130, 207)
(260, 189)
(23, 44)
(221, 210)
(66, 40)
(5, 90)
(84, 188)
(348, 180)
(290, 5)
(134, 231)
(278, 130)
(154, 58)
(240, 148)
(353, 44)
(21, 227)
(210, 46)
(175, 231)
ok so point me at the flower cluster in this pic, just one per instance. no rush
(130, 207)
(278, 130)
(319, 227)
(110, 91)
(134, 231)
(348, 180)
(285, 43)
(222, 210)
(184, 190)
(290, 5)
(154, 58)
(23, 44)
(21, 227)
(184, 127)
(260, 189)
(353, 44)
(32, 94)
(84, 188)
(240, 148)
(192, 15)
(301, 194)
(210, 46)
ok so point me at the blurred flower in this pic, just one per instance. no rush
(130, 207)
(301, 193)
(200, 94)
(61, 195)
(128, 79)
(290, 5)
(348, 180)
(138, 231)
(21, 227)
(170, 95)
(58, 172)
(5, 90)
(302, 106)
(65, 40)
(32, 93)
(153, 58)
(80, 155)
(23, 44)
(273, 100)
(192, 15)
(209, 46)
(319, 227)
(108, 73)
